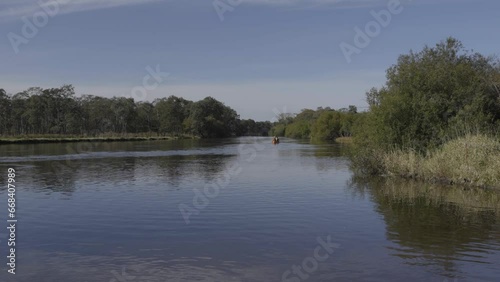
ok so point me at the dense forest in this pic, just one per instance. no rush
(320, 124)
(57, 111)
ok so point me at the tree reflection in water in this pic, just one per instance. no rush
(435, 225)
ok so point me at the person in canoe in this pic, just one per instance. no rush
(276, 140)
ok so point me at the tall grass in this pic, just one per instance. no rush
(471, 159)
(344, 140)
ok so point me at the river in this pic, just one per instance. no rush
(237, 209)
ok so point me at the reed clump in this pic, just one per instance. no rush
(471, 160)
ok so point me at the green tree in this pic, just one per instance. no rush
(327, 126)
(430, 95)
(210, 118)
(172, 112)
(278, 130)
(5, 112)
(147, 120)
(123, 114)
(300, 127)
(98, 117)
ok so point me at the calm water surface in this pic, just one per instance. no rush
(112, 212)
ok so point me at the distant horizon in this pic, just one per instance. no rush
(258, 57)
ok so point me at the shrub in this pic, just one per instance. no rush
(472, 160)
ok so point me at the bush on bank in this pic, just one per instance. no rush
(431, 95)
(434, 118)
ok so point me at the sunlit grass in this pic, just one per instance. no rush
(472, 160)
(344, 140)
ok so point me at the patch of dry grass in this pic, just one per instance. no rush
(344, 140)
(472, 160)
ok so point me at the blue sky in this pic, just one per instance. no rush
(264, 56)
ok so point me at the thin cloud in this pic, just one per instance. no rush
(336, 3)
(11, 10)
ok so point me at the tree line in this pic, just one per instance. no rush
(59, 111)
(320, 124)
(430, 97)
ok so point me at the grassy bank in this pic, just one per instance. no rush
(470, 160)
(344, 140)
(30, 139)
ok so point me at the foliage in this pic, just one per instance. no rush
(472, 160)
(321, 124)
(250, 127)
(210, 118)
(436, 119)
(327, 126)
(278, 130)
(57, 111)
(429, 96)
(299, 129)
(172, 112)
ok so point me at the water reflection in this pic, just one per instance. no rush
(135, 268)
(87, 215)
(60, 167)
(435, 226)
(324, 156)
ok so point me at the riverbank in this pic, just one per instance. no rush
(472, 160)
(34, 139)
(344, 140)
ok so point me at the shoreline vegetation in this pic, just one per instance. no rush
(344, 140)
(36, 139)
(58, 113)
(436, 119)
(471, 160)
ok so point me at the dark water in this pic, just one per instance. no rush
(112, 212)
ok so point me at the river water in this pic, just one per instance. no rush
(235, 210)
